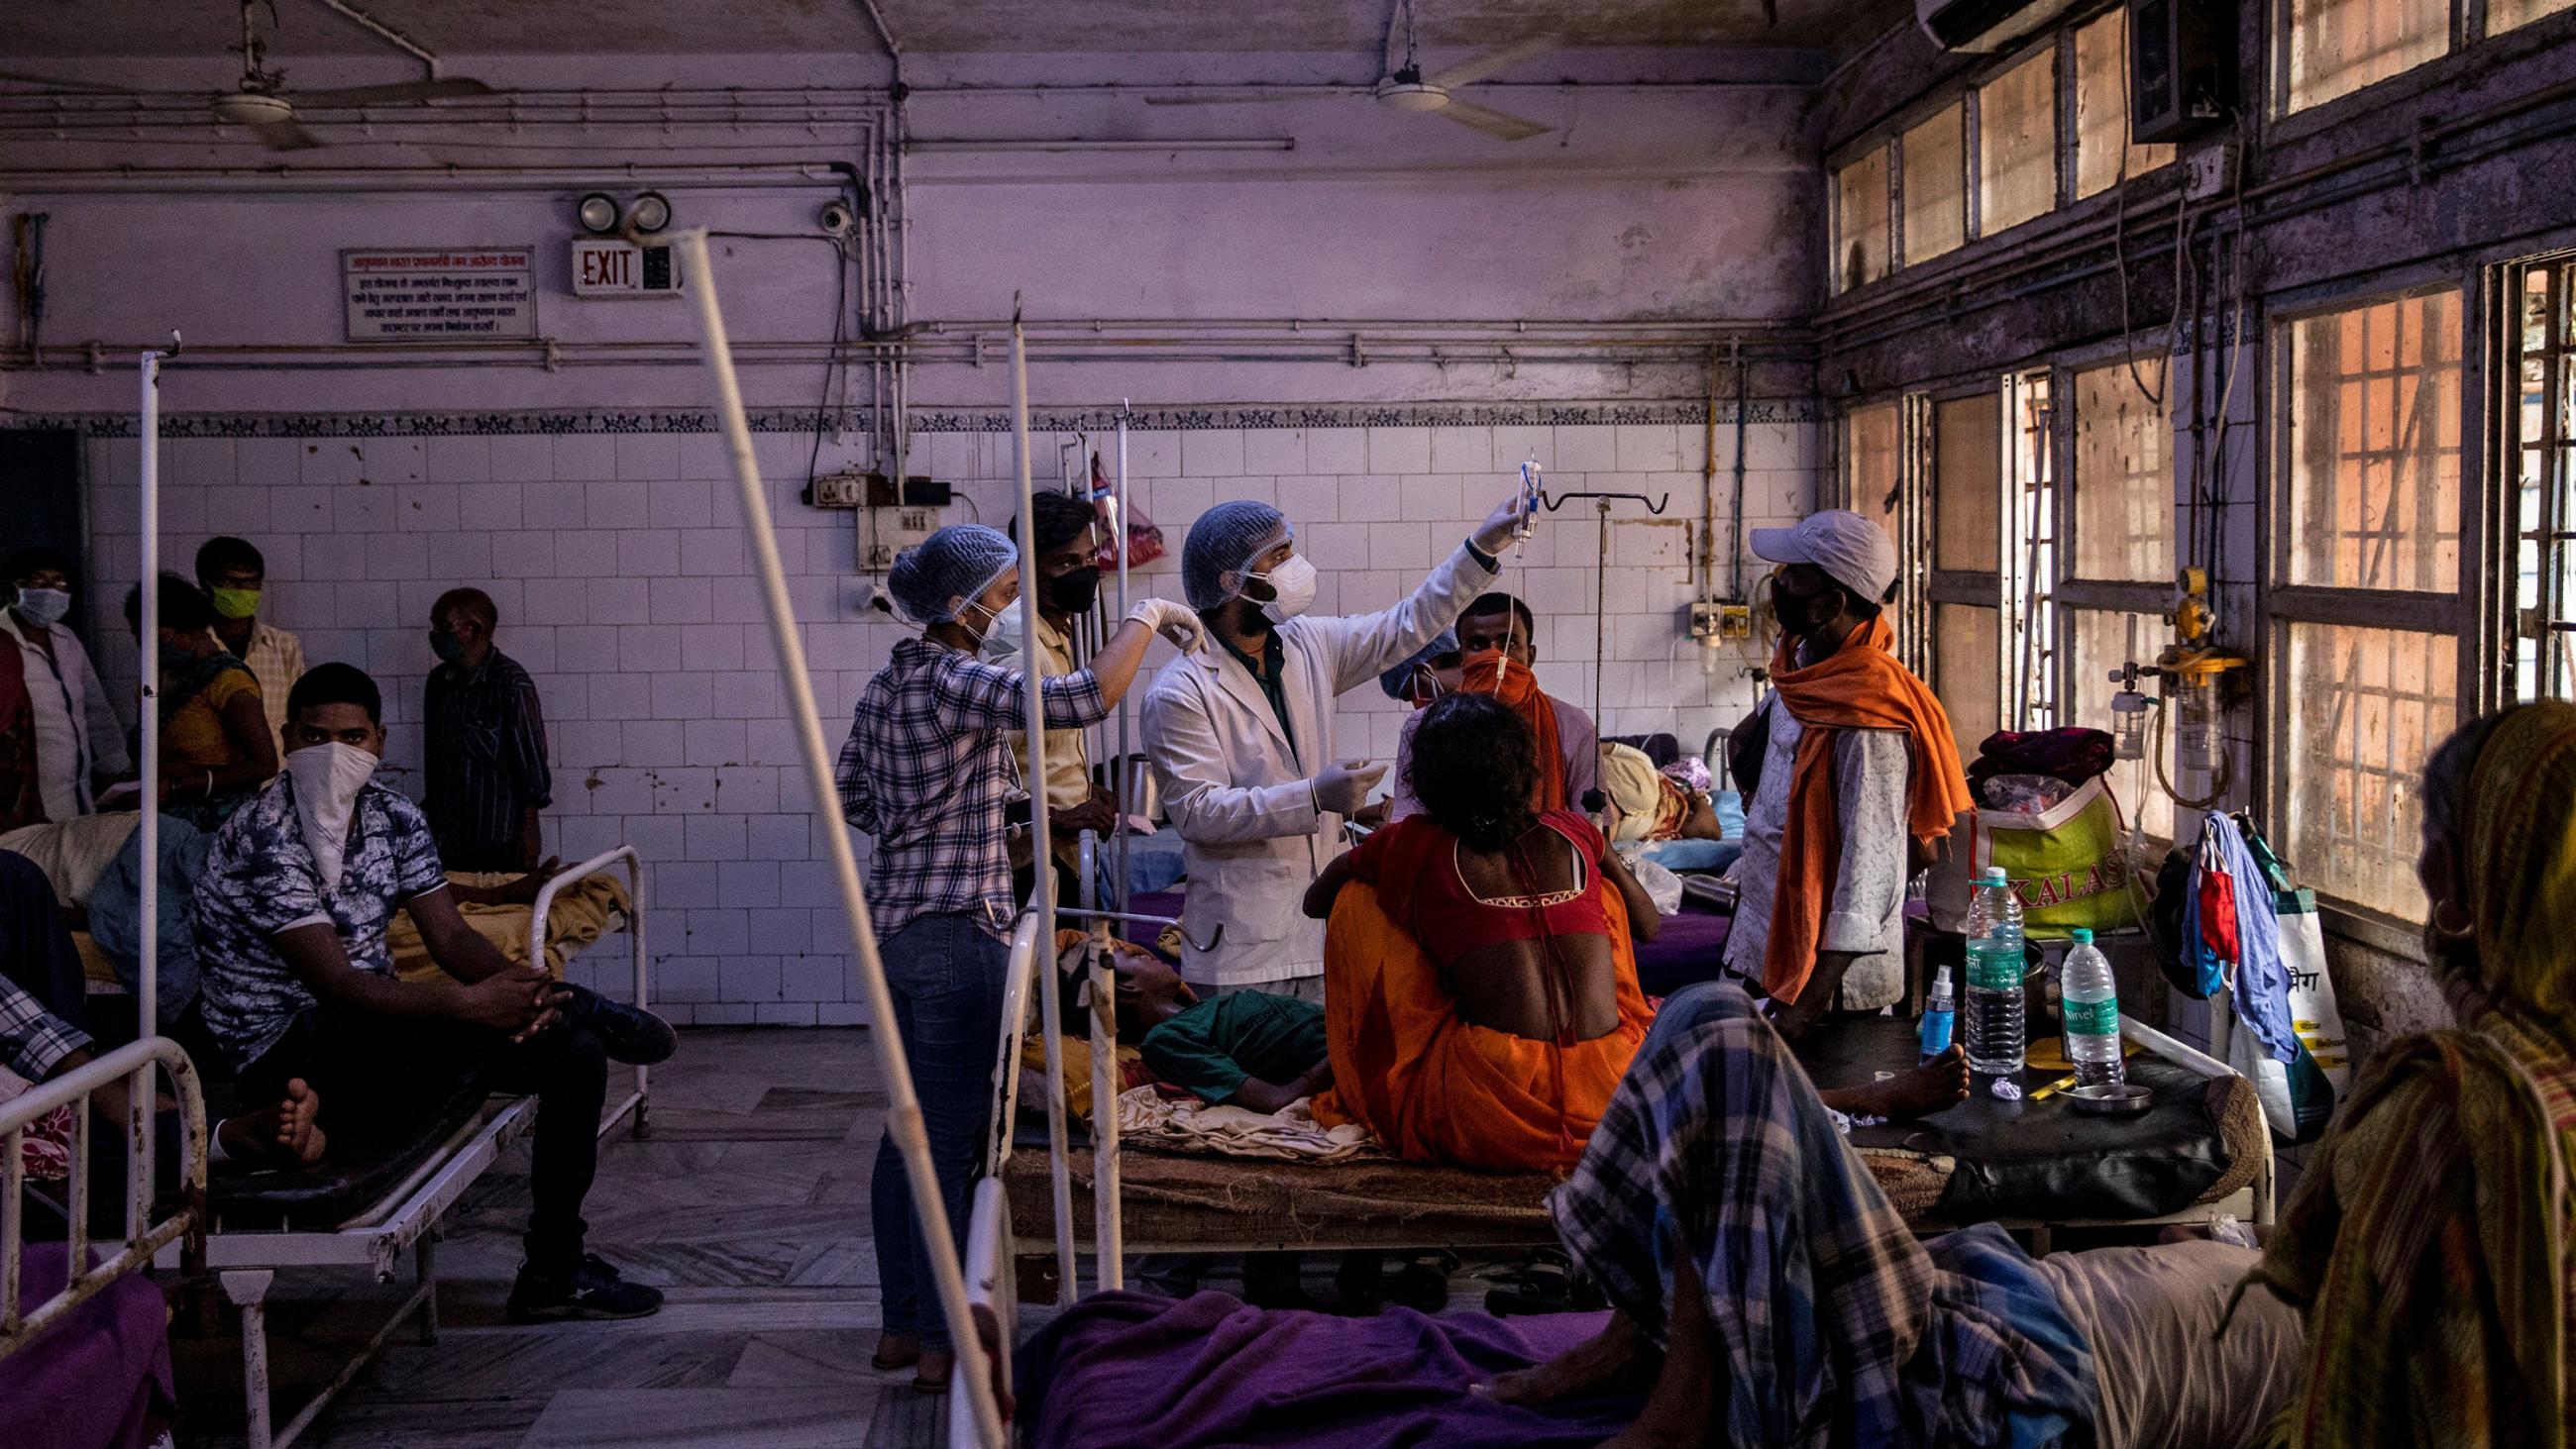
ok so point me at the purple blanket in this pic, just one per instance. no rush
(1134, 1369)
(98, 1379)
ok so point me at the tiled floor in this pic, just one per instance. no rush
(748, 1206)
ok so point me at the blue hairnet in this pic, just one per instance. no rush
(959, 561)
(1227, 538)
(1398, 682)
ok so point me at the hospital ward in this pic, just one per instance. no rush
(1338, 724)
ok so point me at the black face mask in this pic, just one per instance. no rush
(1800, 614)
(1074, 592)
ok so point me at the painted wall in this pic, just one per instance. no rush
(593, 505)
(620, 572)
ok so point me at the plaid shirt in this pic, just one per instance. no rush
(927, 770)
(1837, 1327)
(276, 659)
(33, 1041)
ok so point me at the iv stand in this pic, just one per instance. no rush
(1594, 800)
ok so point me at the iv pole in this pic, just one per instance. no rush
(1594, 800)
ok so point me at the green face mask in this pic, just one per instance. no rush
(235, 603)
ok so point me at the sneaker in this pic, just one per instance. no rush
(630, 1033)
(591, 1291)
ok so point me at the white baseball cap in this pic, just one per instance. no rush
(1853, 551)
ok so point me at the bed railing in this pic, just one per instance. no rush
(624, 856)
(133, 1064)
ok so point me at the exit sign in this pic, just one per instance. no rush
(603, 267)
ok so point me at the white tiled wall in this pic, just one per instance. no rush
(621, 574)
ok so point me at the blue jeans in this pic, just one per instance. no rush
(945, 973)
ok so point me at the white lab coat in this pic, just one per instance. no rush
(1236, 788)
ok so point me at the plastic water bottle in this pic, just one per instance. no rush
(1940, 1016)
(2092, 1005)
(1994, 977)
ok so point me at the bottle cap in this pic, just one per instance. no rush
(2082, 936)
(1941, 981)
(1993, 875)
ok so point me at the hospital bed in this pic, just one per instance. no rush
(83, 1333)
(370, 1213)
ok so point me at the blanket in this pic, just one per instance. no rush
(1147, 1119)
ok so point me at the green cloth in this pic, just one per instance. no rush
(1270, 671)
(1210, 1048)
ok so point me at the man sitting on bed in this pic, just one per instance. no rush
(1492, 653)
(290, 919)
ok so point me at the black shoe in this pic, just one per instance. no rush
(630, 1033)
(591, 1291)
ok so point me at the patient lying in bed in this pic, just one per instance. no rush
(1479, 981)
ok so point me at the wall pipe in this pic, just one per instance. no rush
(283, 180)
(903, 1112)
(141, 1140)
(962, 147)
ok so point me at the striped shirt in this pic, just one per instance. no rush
(484, 762)
(927, 771)
(260, 880)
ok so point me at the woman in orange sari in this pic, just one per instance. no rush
(1480, 988)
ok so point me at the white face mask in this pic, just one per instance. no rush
(45, 606)
(327, 781)
(1292, 585)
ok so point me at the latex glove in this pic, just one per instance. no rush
(1173, 620)
(1343, 789)
(1495, 533)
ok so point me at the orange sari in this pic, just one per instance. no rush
(1437, 1089)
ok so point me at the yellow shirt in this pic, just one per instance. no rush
(195, 735)
(1068, 764)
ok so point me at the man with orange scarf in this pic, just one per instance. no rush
(1492, 654)
(1858, 764)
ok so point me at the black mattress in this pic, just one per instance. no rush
(361, 1167)
(2038, 1160)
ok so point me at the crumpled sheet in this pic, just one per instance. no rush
(583, 912)
(1146, 1119)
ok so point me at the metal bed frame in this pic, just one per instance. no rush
(408, 1217)
(182, 1231)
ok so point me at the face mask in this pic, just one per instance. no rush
(45, 606)
(1293, 586)
(327, 781)
(174, 657)
(982, 634)
(1075, 592)
(1427, 688)
(447, 647)
(235, 603)
(1798, 615)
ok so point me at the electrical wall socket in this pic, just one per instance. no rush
(2209, 171)
(844, 489)
(1715, 620)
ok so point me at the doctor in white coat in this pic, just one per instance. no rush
(1241, 735)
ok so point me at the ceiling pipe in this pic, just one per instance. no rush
(386, 33)
(962, 147)
(332, 180)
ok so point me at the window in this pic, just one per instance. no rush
(2104, 154)
(2124, 486)
(1872, 467)
(2102, 640)
(2543, 416)
(2367, 602)
(2336, 47)
(1936, 184)
(1860, 220)
(2504, 15)
(2374, 446)
(2029, 573)
(2365, 707)
(2017, 143)
(1967, 560)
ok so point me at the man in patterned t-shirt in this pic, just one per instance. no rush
(290, 917)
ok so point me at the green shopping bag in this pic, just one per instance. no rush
(2066, 862)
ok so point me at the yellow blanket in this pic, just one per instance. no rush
(583, 912)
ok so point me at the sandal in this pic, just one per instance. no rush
(934, 1372)
(895, 1351)
(1422, 1284)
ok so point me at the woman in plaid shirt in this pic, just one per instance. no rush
(927, 772)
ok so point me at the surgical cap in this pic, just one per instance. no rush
(1226, 539)
(959, 561)
(1398, 682)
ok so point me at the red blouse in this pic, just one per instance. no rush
(1414, 865)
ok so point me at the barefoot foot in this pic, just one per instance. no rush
(1936, 1085)
(285, 1134)
(1620, 1356)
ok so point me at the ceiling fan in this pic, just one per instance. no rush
(1402, 86)
(261, 103)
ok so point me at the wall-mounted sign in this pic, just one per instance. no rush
(607, 267)
(407, 294)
